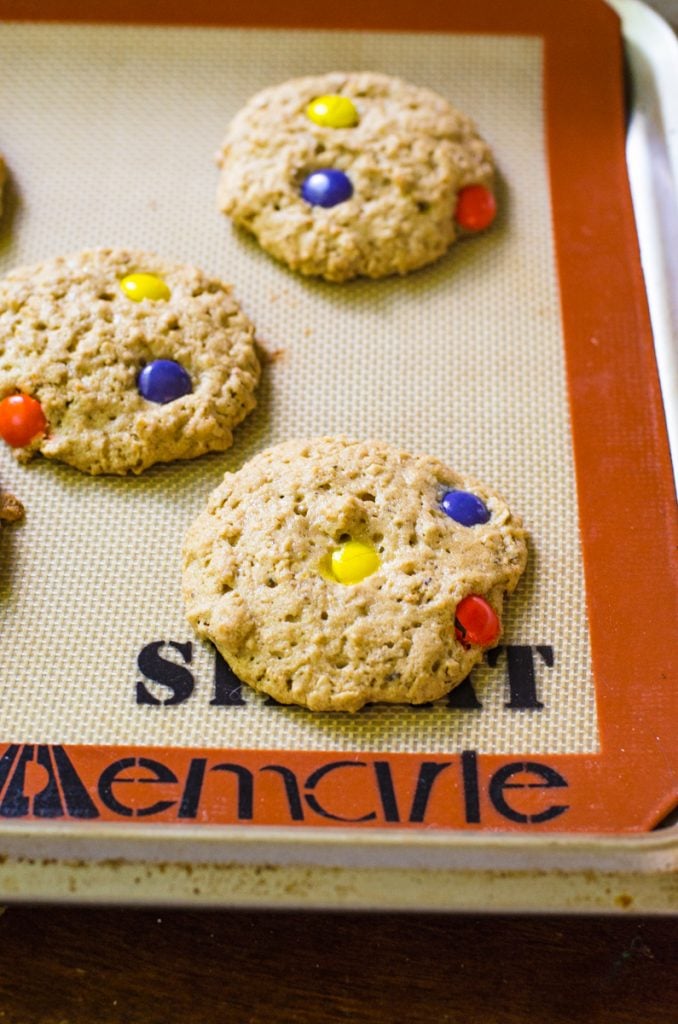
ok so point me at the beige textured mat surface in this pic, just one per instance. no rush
(109, 135)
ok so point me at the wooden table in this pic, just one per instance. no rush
(103, 966)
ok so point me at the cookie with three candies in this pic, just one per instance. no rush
(346, 175)
(113, 360)
(333, 573)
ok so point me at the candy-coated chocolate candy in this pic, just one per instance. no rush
(145, 286)
(476, 208)
(476, 622)
(21, 420)
(332, 111)
(353, 561)
(326, 187)
(465, 508)
(163, 381)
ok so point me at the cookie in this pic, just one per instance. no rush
(346, 175)
(3, 179)
(332, 573)
(11, 508)
(113, 360)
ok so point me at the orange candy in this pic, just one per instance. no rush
(476, 208)
(21, 420)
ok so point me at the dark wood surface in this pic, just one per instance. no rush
(111, 966)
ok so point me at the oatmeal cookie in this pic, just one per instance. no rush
(11, 508)
(332, 573)
(341, 175)
(113, 360)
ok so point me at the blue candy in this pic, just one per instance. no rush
(326, 187)
(163, 381)
(465, 508)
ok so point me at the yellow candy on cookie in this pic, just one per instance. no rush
(353, 561)
(145, 286)
(333, 111)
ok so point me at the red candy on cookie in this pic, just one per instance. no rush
(21, 419)
(476, 622)
(476, 208)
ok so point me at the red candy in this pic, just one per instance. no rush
(476, 622)
(21, 419)
(476, 208)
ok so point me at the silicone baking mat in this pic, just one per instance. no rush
(502, 359)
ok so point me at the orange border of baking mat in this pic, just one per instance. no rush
(625, 493)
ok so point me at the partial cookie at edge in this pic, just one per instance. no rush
(11, 508)
(74, 341)
(3, 179)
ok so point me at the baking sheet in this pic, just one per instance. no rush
(445, 361)
(421, 316)
(652, 152)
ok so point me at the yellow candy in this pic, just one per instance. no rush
(353, 561)
(332, 112)
(145, 286)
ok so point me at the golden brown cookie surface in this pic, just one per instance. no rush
(264, 565)
(132, 360)
(394, 156)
